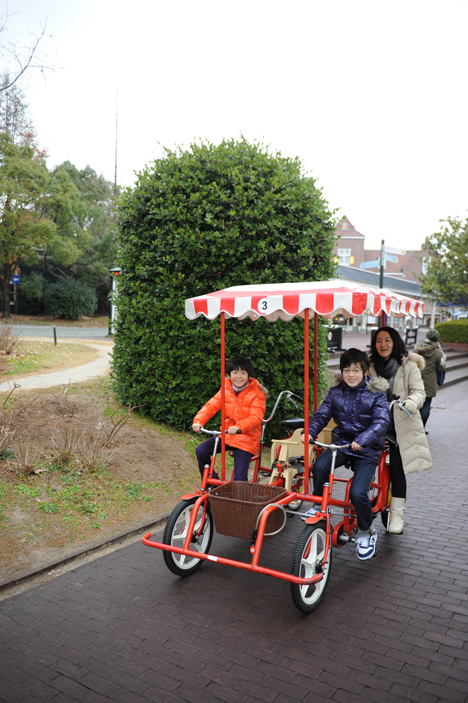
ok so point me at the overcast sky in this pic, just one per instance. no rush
(369, 94)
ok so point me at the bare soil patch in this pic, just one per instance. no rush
(120, 473)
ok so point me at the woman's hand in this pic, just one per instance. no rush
(355, 446)
(309, 439)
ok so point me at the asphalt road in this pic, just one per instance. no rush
(62, 332)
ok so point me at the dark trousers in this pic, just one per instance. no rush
(364, 470)
(425, 410)
(397, 474)
(242, 459)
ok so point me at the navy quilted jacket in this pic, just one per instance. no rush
(361, 415)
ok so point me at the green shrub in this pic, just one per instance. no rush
(69, 299)
(198, 221)
(455, 331)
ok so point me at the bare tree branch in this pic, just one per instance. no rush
(17, 58)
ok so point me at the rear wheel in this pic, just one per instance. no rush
(308, 561)
(176, 532)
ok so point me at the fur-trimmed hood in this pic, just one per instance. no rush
(374, 385)
(417, 358)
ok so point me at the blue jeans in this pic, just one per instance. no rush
(242, 459)
(364, 470)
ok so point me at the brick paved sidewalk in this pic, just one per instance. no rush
(123, 628)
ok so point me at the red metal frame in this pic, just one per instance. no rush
(348, 524)
(255, 549)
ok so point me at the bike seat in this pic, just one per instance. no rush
(293, 423)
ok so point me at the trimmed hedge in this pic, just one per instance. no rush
(198, 221)
(453, 331)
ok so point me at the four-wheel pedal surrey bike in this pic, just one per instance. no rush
(257, 511)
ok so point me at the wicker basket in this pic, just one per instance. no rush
(235, 507)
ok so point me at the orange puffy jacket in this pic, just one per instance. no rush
(245, 410)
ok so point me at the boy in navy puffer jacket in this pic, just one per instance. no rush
(359, 406)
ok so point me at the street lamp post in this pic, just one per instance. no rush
(114, 274)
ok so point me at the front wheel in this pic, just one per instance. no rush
(308, 561)
(176, 531)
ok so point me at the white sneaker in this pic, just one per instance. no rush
(365, 545)
(310, 513)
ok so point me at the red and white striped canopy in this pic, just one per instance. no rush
(287, 300)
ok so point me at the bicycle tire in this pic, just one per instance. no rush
(175, 533)
(307, 561)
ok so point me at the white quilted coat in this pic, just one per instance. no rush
(411, 437)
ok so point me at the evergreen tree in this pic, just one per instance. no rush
(197, 221)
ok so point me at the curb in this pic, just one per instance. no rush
(122, 536)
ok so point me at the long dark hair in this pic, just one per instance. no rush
(399, 348)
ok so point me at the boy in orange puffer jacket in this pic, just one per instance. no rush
(245, 400)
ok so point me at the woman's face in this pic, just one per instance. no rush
(384, 345)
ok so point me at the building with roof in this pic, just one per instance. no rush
(350, 249)
(400, 276)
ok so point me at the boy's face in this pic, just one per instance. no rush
(239, 377)
(353, 375)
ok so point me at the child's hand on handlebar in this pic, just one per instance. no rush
(196, 427)
(233, 430)
(310, 440)
(355, 446)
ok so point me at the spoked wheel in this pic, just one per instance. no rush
(176, 532)
(308, 561)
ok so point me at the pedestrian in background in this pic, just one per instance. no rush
(435, 360)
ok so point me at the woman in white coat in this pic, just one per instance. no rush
(409, 450)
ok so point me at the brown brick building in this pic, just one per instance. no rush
(350, 251)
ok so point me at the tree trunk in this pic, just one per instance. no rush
(6, 290)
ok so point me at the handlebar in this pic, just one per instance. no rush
(396, 401)
(215, 433)
(329, 446)
(289, 396)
